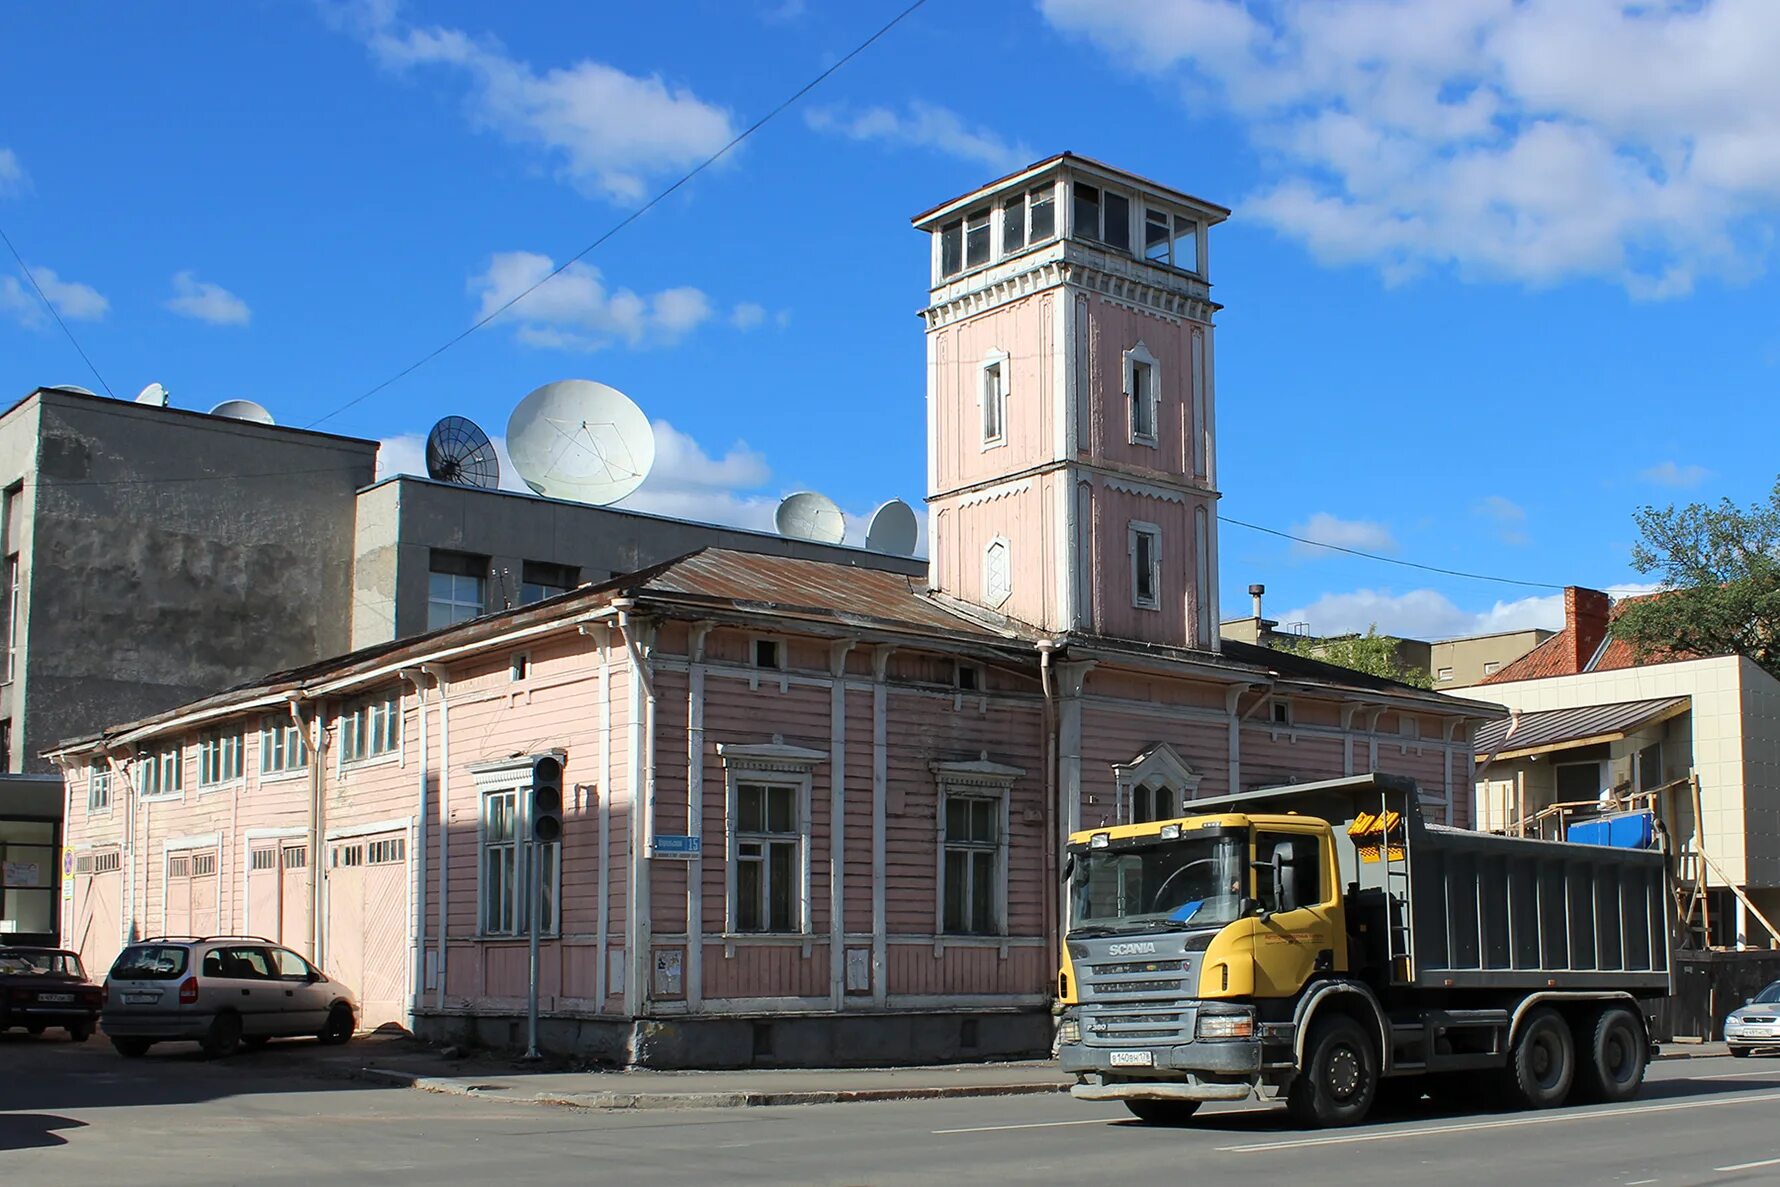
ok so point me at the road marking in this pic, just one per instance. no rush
(1772, 1072)
(1512, 1123)
(1749, 1166)
(1642, 1182)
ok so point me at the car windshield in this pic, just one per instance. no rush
(1193, 882)
(60, 964)
(149, 962)
(1768, 996)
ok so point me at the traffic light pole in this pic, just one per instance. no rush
(534, 908)
(543, 826)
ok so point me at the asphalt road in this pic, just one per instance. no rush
(81, 1115)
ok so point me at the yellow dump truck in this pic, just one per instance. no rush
(1324, 944)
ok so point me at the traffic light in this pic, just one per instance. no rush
(547, 799)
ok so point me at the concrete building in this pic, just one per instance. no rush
(30, 860)
(814, 810)
(1471, 659)
(154, 555)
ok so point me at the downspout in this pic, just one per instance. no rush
(642, 818)
(603, 790)
(120, 777)
(317, 808)
(1053, 899)
(438, 674)
(418, 983)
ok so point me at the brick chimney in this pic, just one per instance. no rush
(1585, 621)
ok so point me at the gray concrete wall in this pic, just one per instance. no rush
(403, 519)
(175, 554)
(18, 467)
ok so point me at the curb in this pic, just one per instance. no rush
(740, 1098)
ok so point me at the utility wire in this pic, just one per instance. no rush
(632, 217)
(23, 267)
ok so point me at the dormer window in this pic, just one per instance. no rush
(1170, 239)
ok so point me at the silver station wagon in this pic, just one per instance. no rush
(221, 992)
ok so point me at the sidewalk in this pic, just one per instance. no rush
(490, 1077)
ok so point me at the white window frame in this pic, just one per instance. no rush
(160, 774)
(981, 779)
(770, 764)
(454, 602)
(992, 403)
(779, 653)
(277, 736)
(1139, 362)
(371, 730)
(1205, 623)
(99, 790)
(1006, 548)
(221, 758)
(1157, 766)
(1153, 532)
(513, 780)
(13, 566)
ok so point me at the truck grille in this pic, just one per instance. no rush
(1111, 1026)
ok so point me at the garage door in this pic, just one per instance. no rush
(367, 924)
(176, 896)
(278, 893)
(98, 900)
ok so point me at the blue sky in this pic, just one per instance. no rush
(1499, 273)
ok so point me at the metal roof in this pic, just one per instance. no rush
(1559, 729)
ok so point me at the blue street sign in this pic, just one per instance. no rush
(673, 845)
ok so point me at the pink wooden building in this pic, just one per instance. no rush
(875, 774)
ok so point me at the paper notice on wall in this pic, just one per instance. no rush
(667, 973)
(21, 874)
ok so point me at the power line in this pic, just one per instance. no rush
(47, 304)
(632, 217)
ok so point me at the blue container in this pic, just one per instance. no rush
(1626, 830)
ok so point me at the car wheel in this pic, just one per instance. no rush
(131, 1048)
(1610, 1063)
(1339, 1076)
(1163, 1112)
(1542, 1066)
(1741, 1052)
(80, 1032)
(339, 1026)
(224, 1038)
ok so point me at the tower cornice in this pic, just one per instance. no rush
(1138, 284)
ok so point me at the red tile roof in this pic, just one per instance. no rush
(1559, 656)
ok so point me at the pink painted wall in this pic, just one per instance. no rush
(1025, 331)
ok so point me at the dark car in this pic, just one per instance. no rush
(45, 987)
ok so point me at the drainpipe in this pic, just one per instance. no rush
(418, 680)
(317, 810)
(438, 674)
(642, 832)
(1052, 896)
(120, 780)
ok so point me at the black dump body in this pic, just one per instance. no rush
(1442, 908)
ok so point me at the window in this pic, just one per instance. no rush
(12, 615)
(766, 654)
(505, 891)
(1027, 219)
(108, 863)
(1291, 873)
(1013, 225)
(160, 774)
(282, 747)
(290, 966)
(1103, 216)
(262, 859)
(519, 667)
(372, 729)
(1578, 781)
(769, 859)
(1152, 803)
(219, 759)
(1650, 767)
(456, 591)
(1086, 213)
(1489, 667)
(972, 843)
(993, 398)
(1281, 713)
(540, 580)
(976, 238)
(951, 248)
(98, 788)
(296, 857)
(967, 677)
(349, 855)
(1170, 239)
(1443, 674)
(387, 852)
(203, 865)
(1146, 566)
(1140, 391)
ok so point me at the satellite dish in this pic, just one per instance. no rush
(810, 516)
(580, 440)
(892, 529)
(243, 410)
(72, 387)
(154, 394)
(459, 452)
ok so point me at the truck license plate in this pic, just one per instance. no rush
(55, 997)
(1133, 1059)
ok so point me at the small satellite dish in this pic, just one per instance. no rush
(810, 516)
(892, 529)
(243, 410)
(73, 387)
(580, 440)
(154, 394)
(459, 452)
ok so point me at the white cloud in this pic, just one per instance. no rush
(1508, 518)
(73, 300)
(207, 302)
(12, 174)
(1532, 140)
(1673, 474)
(1323, 528)
(924, 125)
(574, 310)
(610, 133)
(747, 315)
(1429, 614)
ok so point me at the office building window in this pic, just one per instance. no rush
(457, 590)
(541, 579)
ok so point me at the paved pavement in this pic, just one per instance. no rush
(284, 1117)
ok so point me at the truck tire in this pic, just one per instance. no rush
(1611, 1056)
(1163, 1112)
(1542, 1065)
(1340, 1075)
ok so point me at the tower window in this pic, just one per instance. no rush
(1140, 390)
(1116, 216)
(1170, 239)
(976, 239)
(951, 249)
(1013, 225)
(1146, 566)
(994, 401)
(1041, 205)
(1087, 211)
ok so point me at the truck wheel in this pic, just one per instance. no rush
(1610, 1066)
(1339, 1076)
(1543, 1063)
(1163, 1112)
(1741, 1052)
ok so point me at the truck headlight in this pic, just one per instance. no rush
(1069, 1031)
(1226, 1026)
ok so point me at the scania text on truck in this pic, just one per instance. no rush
(1324, 944)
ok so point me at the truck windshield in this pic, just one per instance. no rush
(1194, 882)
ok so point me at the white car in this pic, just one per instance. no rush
(1756, 1023)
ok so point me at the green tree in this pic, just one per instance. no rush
(1372, 653)
(1720, 591)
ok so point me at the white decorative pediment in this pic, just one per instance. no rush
(770, 756)
(975, 772)
(1145, 490)
(989, 494)
(1158, 765)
